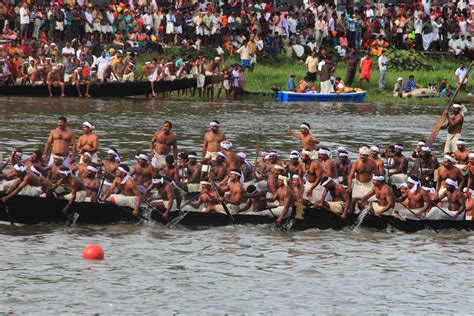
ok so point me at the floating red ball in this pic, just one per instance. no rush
(93, 252)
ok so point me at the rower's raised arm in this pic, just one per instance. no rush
(295, 134)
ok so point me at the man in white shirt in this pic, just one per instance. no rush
(460, 74)
(102, 62)
(311, 67)
(24, 20)
(68, 50)
(383, 62)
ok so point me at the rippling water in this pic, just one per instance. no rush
(149, 269)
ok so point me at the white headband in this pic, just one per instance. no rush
(221, 154)
(293, 156)
(452, 182)
(295, 176)
(471, 155)
(398, 147)
(403, 185)
(416, 184)
(192, 157)
(214, 124)
(343, 155)
(226, 144)
(142, 156)
(324, 152)
(461, 142)
(448, 157)
(342, 148)
(19, 154)
(88, 154)
(426, 149)
(242, 155)
(92, 168)
(284, 179)
(272, 154)
(122, 170)
(58, 157)
(421, 144)
(65, 172)
(236, 173)
(89, 125)
(158, 181)
(429, 190)
(304, 126)
(378, 178)
(20, 168)
(375, 148)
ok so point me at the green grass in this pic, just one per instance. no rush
(271, 71)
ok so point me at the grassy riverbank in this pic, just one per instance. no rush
(276, 71)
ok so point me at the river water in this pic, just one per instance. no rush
(234, 270)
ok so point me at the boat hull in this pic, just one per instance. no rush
(354, 97)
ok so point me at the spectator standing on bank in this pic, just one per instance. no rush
(351, 61)
(383, 62)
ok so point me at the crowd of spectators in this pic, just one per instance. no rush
(35, 31)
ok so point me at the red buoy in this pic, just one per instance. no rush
(94, 252)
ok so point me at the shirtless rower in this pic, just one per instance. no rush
(111, 164)
(340, 199)
(58, 143)
(247, 171)
(469, 196)
(256, 200)
(384, 195)
(329, 168)
(308, 140)
(454, 125)
(416, 200)
(81, 169)
(27, 184)
(232, 160)
(456, 203)
(470, 172)
(298, 189)
(71, 183)
(398, 168)
(88, 142)
(270, 161)
(161, 143)
(448, 171)
(46, 185)
(428, 164)
(193, 171)
(462, 156)
(212, 141)
(294, 165)
(207, 197)
(218, 168)
(54, 80)
(130, 196)
(374, 154)
(363, 170)
(36, 159)
(314, 173)
(167, 195)
(284, 196)
(343, 167)
(91, 182)
(234, 198)
(52, 170)
(170, 170)
(143, 172)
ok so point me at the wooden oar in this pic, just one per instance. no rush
(221, 200)
(414, 214)
(442, 118)
(257, 152)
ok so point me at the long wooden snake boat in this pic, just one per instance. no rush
(35, 210)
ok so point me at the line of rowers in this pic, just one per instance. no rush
(271, 187)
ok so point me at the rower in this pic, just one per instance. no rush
(363, 170)
(470, 172)
(462, 156)
(298, 189)
(36, 160)
(284, 196)
(329, 168)
(212, 141)
(143, 172)
(73, 185)
(170, 170)
(218, 168)
(167, 195)
(271, 160)
(27, 184)
(428, 165)
(343, 167)
(418, 149)
(193, 170)
(54, 79)
(256, 200)
(469, 196)
(246, 169)
(130, 195)
(314, 173)
(340, 199)
(397, 169)
(46, 185)
(454, 126)
(161, 144)
(456, 203)
(448, 171)
(207, 197)
(111, 164)
(294, 165)
(88, 142)
(416, 200)
(91, 182)
(81, 169)
(232, 160)
(60, 139)
(308, 140)
(385, 200)
(53, 169)
(233, 199)
(374, 154)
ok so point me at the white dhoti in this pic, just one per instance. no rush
(261, 185)
(30, 190)
(210, 155)
(327, 87)
(80, 196)
(406, 213)
(201, 79)
(450, 145)
(174, 207)
(462, 168)
(128, 77)
(66, 161)
(275, 203)
(316, 195)
(438, 213)
(233, 209)
(360, 189)
(194, 187)
(377, 208)
(158, 161)
(123, 200)
(6, 185)
(398, 178)
(337, 207)
(205, 168)
(276, 211)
